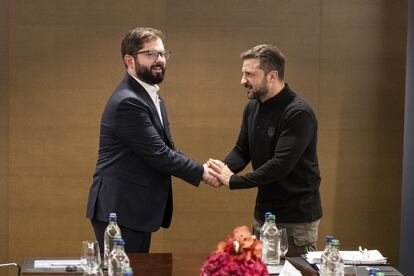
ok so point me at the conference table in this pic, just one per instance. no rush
(153, 264)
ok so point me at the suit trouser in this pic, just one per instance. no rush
(302, 237)
(135, 241)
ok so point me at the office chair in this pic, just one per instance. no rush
(12, 264)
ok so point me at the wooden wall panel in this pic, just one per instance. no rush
(345, 57)
(65, 62)
(4, 129)
(205, 99)
(361, 121)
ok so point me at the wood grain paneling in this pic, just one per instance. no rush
(361, 121)
(206, 100)
(65, 62)
(4, 129)
(346, 58)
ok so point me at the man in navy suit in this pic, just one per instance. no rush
(137, 156)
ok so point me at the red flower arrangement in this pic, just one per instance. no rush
(239, 255)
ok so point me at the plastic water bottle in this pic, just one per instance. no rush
(127, 271)
(326, 252)
(118, 259)
(271, 243)
(111, 231)
(334, 262)
(265, 224)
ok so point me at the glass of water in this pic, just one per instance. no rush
(284, 246)
(90, 258)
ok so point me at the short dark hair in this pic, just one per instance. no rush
(134, 40)
(270, 58)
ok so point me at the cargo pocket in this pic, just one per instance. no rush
(304, 234)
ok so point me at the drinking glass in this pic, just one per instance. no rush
(90, 258)
(283, 242)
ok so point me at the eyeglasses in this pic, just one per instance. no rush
(154, 54)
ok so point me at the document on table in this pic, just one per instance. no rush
(55, 263)
(351, 257)
(289, 270)
(274, 269)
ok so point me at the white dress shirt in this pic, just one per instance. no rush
(152, 90)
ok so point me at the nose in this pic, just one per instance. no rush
(160, 57)
(243, 80)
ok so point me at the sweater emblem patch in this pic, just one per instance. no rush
(271, 131)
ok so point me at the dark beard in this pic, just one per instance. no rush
(147, 76)
(261, 91)
(150, 78)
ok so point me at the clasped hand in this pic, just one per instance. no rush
(216, 173)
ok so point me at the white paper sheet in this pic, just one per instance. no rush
(289, 270)
(274, 269)
(55, 263)
(351, 257)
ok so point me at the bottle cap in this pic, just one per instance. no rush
(372, 271)
(126, 269)
(272, 217)
(329, 238)
(335, 242)
(379, 274)
(112, 217)
(267, 214)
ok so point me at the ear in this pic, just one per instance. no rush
(129, 61)
(273, 75)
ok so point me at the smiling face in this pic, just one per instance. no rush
(146, 67)
(254, 79)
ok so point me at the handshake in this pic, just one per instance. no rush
(216, 173)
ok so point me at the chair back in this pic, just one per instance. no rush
(11, 264)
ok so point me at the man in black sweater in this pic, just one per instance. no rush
(279, 136)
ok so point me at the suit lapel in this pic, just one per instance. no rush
(166, 123)
(142, 93)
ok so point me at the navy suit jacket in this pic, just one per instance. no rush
(136, 161)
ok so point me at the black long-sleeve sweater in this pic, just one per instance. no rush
(279, 137)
